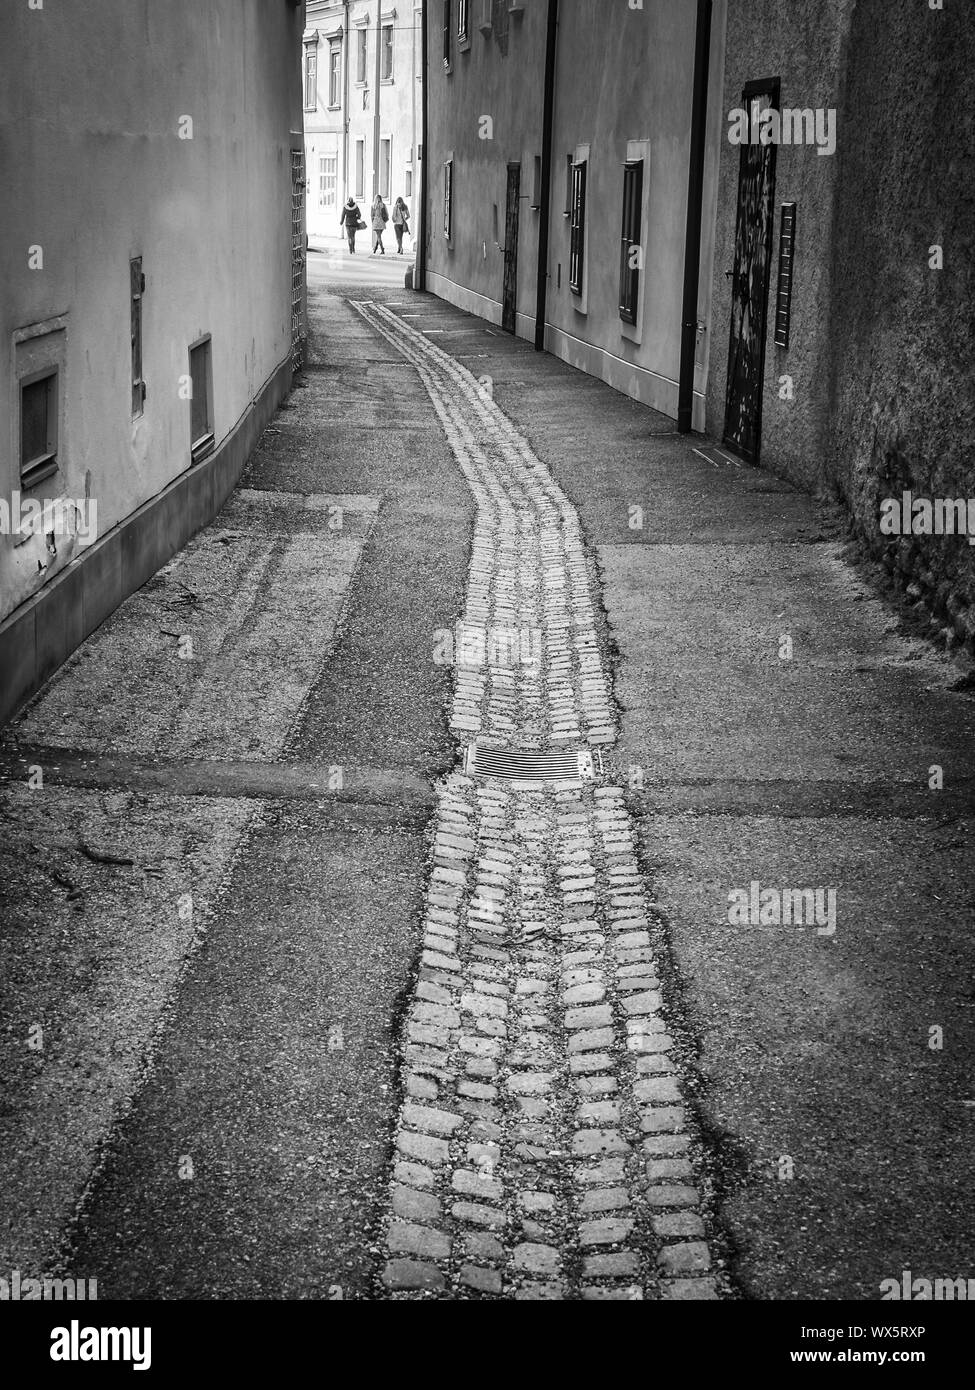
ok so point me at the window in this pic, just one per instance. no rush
(385, 167)
(631, 251)
(783, 294)
(569, 161)
(462, 7)
(362, 55)
(577, 225)
(327, 179)
(360, 168)
(387, 68)
(335, 73)
(201, 400)
(311, 77)
(137, 286)
(38, 426)
(408, 176)
(448, 198)
(447, 34)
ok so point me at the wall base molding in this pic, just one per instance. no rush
(41, 634)
(641, 384)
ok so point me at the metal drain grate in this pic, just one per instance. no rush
(522, 766)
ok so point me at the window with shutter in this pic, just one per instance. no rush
(577, 238)
(631, 251)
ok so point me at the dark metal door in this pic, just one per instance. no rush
(509, 309)
(750, 282)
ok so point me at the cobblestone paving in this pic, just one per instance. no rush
(542, 1150)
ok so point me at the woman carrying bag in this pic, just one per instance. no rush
(351, 220)
(401, 223)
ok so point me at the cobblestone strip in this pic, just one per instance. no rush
(542, 1150)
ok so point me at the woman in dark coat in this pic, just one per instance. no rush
(351, 217)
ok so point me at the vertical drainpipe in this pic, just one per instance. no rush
(379, 78)
(345, 105)
(544, 216)
(420, 270)
(695, 200)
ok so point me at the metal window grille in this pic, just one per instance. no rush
(631, 250)
(136, 286)
(577, 239)
(297, 255)
(783, 293)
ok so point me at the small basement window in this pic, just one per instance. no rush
(38, 427)
(201, 402)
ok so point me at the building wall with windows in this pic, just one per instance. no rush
(618, 199)
(341, 99)
(145, 249)
(484, 114)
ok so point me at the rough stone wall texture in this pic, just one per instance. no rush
(881, 344)
(902, 389)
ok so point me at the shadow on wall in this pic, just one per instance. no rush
(902, 391)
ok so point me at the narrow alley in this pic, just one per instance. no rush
(377, 928)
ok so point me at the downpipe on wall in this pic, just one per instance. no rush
(695, 200)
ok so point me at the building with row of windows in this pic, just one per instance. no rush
(748, 221)
(604, 206)
(152, 264)
(361, 76)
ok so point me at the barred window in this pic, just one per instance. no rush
(448, 198)
(631, 251)
(577, 225)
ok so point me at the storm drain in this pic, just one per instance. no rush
(520, 765)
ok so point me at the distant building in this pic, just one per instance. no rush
(361, 72)
(749, 218)
(151, 257)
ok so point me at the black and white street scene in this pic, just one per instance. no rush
(487, 657)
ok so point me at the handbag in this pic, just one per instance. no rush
(360, 226)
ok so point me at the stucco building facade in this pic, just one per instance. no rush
(152, 282)
(750, 218)
(361, 79)
(621, 112)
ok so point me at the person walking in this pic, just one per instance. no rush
(379, 219)
(401, 223)
(350, 220)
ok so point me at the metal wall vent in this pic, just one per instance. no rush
(524, 766)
